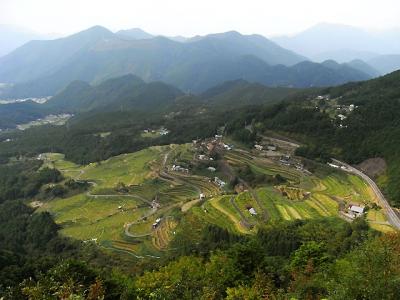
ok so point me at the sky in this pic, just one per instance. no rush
(189, 17)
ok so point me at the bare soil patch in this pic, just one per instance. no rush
(373, 167)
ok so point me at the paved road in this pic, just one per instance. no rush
(393, 218)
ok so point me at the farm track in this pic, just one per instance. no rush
(244, 222)
(228, 170)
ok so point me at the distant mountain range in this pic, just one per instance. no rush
(344, 43)
(12, 37)
(41, 68)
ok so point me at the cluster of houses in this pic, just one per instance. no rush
(323, 97)
(177, 168)
(161, 131)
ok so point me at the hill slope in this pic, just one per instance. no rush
(122, 93)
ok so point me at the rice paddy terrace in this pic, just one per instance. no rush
(134, 199)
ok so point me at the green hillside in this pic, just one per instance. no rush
(369, 130)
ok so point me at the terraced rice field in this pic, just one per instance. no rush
(163, 234)
(302, 197)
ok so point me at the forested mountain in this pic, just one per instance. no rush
(43, 68)
(123, 93)
(42, 58)
(241, 93)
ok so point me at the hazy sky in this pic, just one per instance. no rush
(189, 17)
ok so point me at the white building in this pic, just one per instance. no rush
(357, 210)
(219, 182)
(252, 211)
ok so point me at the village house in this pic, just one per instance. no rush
(163, 131)
(211, 169)
(156, 223)
(178, 168)
(258, 147)
(356, 211)
(252, 211)
(219, 182)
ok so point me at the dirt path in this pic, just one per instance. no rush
(226, 168)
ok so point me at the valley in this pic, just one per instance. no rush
(197, 161)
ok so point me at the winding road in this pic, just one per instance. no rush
(393, 218)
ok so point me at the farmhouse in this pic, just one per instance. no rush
(227, 147)
(202, 196)
(156, 223)
(356, 210)
(258, 147)
(178, 168)
(163, 131)
(219, 182)
(211, 169)
(252, 211)
(271, 147)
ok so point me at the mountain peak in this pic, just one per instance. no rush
(134, 33)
